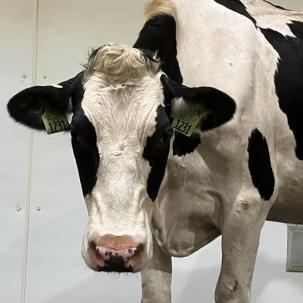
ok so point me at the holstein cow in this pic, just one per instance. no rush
(152, 192)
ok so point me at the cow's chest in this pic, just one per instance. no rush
(183, 220)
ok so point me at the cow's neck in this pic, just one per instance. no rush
(183, 208)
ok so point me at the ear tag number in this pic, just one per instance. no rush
(185, 125)
(54, 121)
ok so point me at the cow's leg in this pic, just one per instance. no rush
(241, 229)
(156, 278)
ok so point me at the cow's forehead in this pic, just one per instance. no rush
(124, 111)
(122, 91)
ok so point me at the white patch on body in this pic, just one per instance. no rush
(267, 16)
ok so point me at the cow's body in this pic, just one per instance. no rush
(210, 191)
(242, 165)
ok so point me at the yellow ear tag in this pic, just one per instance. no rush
(54, 121)
(186, 125)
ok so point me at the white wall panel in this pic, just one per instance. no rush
(290, 4)
(16, 36)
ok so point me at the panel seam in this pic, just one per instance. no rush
(30, 159)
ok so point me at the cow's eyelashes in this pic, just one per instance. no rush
(80, 141)
(165, 137)
(75, 137)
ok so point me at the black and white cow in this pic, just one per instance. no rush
(153, 193)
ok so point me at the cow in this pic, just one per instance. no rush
(153, 191)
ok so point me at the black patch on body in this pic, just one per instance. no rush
(297, 29)
(159, 35)
(260, 165)
(238, 7)
(85, 150)
(156, 152)
(289, 75)
(289, 78)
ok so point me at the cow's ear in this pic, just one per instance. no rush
(213, 106)
(28, 105)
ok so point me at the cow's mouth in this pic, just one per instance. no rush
(115, 264)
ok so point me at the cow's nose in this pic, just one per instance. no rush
(119, 253)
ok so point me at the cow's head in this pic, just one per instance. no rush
(122, 105)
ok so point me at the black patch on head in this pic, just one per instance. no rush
(156, 152)
(259, 165)
(84, 142)
(289, 78)
(159, 35)
(238, 7)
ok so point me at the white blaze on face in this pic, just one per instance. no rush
(123, 116)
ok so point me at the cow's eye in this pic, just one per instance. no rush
(164, 139)
(77, 139)
(75, 136)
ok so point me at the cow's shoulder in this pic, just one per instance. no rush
(288, 77)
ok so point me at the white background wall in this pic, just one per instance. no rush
(42, 214)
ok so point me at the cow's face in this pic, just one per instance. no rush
(120, 137)
(122, 109)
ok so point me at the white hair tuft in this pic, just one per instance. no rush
(121, 64)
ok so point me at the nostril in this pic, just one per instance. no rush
(92, 245)
(96, 258)
(103, 252)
